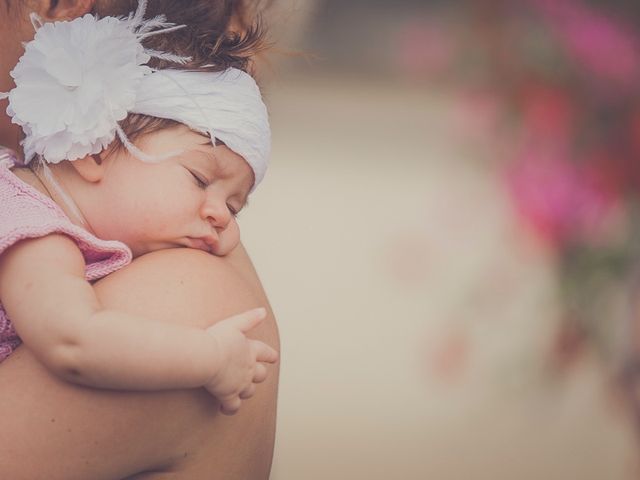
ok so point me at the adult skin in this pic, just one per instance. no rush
(53, 430)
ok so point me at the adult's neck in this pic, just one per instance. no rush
(9, 132)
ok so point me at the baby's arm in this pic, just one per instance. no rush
(57, 314)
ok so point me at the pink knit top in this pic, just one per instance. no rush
(27, 213)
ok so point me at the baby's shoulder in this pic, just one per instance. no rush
(22, 216)
(23, 206)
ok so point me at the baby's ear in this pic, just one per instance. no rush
(91, 167)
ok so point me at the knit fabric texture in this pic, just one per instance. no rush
(27, 213)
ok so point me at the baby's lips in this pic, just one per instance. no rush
(212, 240)
(198, 244)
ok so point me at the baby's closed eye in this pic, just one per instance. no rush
(232, 210)
(200, 179)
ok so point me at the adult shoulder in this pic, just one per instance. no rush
(179, 431)
(187, 283)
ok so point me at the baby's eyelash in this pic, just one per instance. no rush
(232, 210)
(201, 183)
(205, 183)
(235, 212)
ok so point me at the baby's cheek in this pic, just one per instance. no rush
(229, 239)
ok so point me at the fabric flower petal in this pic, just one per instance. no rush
(75, 81)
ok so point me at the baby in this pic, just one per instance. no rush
(93, 200)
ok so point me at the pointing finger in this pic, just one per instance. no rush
(248, 320)
(264, 353)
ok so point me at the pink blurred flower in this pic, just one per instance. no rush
(476, 114)
(425, 49)
(562, 200)
(608, 48)
(548, 112)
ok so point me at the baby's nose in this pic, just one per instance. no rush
(218, 214)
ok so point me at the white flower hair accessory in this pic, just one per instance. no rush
(78, 78)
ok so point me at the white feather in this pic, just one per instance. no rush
(169, 57)
(140, 11)
(139, 154)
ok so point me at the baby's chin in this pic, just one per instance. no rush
(224, 249)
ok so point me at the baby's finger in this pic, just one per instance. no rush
(248, 392)
(230, 406)
(260, 374)
(249, 319)
(263, 352)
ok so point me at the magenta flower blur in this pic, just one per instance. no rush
(548, 113)
(605, 47)
(563, 202)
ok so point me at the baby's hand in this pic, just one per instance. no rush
(241, 360)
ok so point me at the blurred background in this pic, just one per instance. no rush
(449, 236)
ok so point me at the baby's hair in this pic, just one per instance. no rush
(219, 34)
(208, 37)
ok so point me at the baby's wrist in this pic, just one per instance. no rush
(214, 360)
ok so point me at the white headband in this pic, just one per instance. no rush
(78, 79)
(226, 105)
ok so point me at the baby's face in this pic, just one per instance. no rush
(189, 200)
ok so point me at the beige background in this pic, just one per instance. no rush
(415, 314)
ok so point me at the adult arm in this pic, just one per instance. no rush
(76, 432)
(74, 336)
